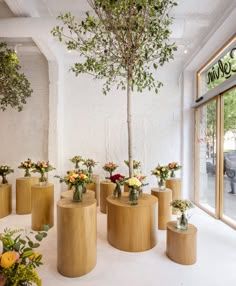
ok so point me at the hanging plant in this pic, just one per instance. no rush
(14, 86)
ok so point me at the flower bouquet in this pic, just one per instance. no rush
(76, 160)
(136, 165)
(110, 168)
(174, 166)
(134, 185)
(90, 164)
(161, 172)
(119, 181)
(142, 179)
(18, 258)
(42, 167)
(78, 180)
(182, 206)
(4, 171)
(27, 166)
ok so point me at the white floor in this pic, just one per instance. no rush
(216, 258)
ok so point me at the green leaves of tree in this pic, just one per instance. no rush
(124, 35)
(14, 86)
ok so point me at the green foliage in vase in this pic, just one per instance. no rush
(123, 42)
(14, 86)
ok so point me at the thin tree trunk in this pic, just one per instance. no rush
(129, 122)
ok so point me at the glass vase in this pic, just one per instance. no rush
(172, 174)
(4, 179)
(42, 179)
(78, 193)
(162, 184)
(117, 191)
(27, 173)
(133, 196)
(182, 221)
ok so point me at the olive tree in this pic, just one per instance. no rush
(123, 42)
(14, 86)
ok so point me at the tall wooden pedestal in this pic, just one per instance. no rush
(5, 200)
(23, 194)
(164, 208)
(42, 202)
(76, 236)
(94, 186)
(132, 228)
(175, 185)
(106, 189)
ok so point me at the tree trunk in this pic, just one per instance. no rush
(129, 122)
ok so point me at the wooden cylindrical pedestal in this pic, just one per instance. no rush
(23, 194)
(76, 237)
(5, 200)
(175, 185)
(94, 186)
(42, 203)
(69, 194)
(164, 208)
(106, 189)
(132, 228)
(181, 245)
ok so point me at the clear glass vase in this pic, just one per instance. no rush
(42, 179)
(117, 191)
(182, 221)
(172, 174)
(27, 173)
(78, 193)
(133, 196)
(162, 184)
(4, 179)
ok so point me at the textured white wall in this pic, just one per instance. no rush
(25, 134)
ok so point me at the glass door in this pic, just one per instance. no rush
(228, 205)
(206, 150)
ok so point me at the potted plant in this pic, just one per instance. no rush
(27, 166)
(182, 206)
(19, 258)
(174, 166)
(4, 171)
(42, 167)
(134, 184)
(14, 86)
(121, 42)
(118, 179)
(162, 173)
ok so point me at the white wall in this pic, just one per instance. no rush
(25, 134)
(95, 125)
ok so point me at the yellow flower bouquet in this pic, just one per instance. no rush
(18, 258)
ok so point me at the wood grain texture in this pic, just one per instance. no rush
(132, 228)
(5, 199)
(23, 194)
(181, 245)
(94, 186)
(175, 185)
(164, 208)
(69, 194)
(106, 189)
(42, 203)
(76, 236)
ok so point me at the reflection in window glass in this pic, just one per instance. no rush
(207, 155)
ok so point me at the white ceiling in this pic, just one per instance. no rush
(194, 19)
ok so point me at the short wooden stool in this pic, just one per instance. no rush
(76, 236)
(5, 200)
(23, 194)
(164, 208)
(42, 202)
(181, 245)
(106, 189)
